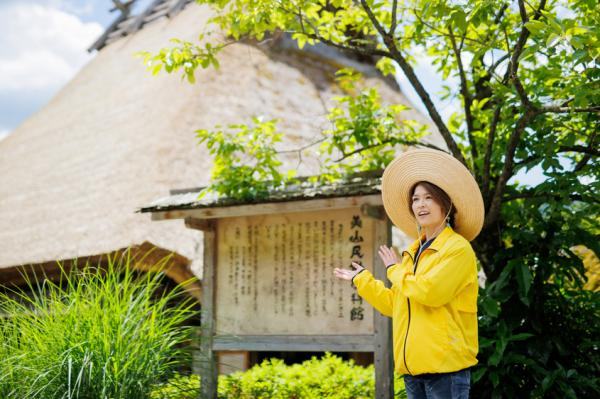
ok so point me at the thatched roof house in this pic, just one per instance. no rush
(115, 138)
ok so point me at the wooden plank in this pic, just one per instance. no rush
(276, 273)
(137, 23)
(384, 362)
(295, 343)
(268, 208)
(373, 211)
(178, 6)
(100, 42)
(207, 362)
(198, 224)
(232, 361)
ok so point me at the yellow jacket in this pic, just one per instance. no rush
(433, 310)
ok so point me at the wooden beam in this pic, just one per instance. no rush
(269, 208)
(100, 42)
(205, 361)
(175, 8)
(384, 362)
(373, 211)
(295, 343)
(199, 224)
(137, 23)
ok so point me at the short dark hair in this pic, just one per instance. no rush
(439, 196)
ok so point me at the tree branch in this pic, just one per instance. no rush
(589, 152)
(416, 84)
(560, 109)
(468, 101)
(488, 154)
(511, 71)
(394, 20)
(405, 142)
(532, 194)
(522, 94)
(507, 170)
(373, 19)
(359, 50)
(529, 113)
(492, 69)
(585, 159)
(579, 148)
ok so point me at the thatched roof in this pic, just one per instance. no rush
(115, 138)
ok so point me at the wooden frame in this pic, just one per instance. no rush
(380, 342)
(206, 362)
(295, 343)
(365, 201)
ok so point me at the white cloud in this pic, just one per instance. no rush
(40, 46)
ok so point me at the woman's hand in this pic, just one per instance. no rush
(346, 274)
(387, 255)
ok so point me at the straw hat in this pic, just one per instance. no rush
(444, 171)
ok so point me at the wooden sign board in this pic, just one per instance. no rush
(274, 273)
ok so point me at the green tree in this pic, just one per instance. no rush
(529, 96)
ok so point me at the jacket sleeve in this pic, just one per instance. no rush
(444, 281)
(375, 292)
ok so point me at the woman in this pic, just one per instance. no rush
(432, 301)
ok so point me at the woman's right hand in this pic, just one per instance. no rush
(347, 274)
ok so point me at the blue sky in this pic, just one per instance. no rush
(43, 43)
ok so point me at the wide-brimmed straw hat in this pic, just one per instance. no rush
(444, 171)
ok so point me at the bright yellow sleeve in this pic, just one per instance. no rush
(444, 281)
(375, 292)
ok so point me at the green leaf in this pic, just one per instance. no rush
(520, 336)
(552, 39)
(490, 306)
(535, 27)
(524, 280)
(459, 18)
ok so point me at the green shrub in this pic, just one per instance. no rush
(327, 377)
(99, 333)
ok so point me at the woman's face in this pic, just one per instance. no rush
(429, 214)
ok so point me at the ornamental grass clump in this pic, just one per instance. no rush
(101, 332)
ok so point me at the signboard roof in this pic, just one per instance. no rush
(364, 183)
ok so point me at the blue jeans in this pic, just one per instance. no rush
(453, 385)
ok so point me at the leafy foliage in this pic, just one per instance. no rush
(327, 377)
(96, 334)
(245, 161)
(526, 97)
(364, 131)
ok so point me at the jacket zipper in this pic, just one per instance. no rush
(408, 325)
(408, 302)
(406, 337)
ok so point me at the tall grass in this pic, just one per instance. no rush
(99, 333)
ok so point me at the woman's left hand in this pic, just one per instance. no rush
(387, 255)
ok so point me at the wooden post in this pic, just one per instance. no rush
(206, 362)
(384, 361)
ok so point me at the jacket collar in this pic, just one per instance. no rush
(437, 243)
